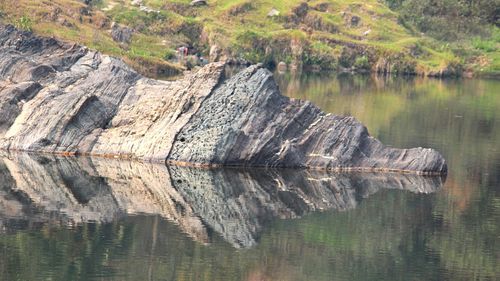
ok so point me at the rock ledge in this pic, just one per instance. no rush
(66, 99)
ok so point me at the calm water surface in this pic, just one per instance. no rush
(97, 219)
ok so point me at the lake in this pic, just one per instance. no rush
(105, 219)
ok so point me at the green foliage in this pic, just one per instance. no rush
(347, 57)
(169, 54)
(250, 38)
(251, 46)
(362, 63)
(449, 19)
(485, 45)
(137, 19)
(242, 28)
(320, 54)
(253, 56)
(24, 23)
(488, 44)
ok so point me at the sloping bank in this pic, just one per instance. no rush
(66, 99)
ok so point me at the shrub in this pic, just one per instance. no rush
(169, 54)
(485, 45)
(362, 63)
(448, 19)
(24, 23)
(320, 54)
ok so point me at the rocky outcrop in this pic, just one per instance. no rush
(236, 204)
(121, 34)
(66, 99)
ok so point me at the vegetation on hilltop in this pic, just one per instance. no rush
(470, 27)
(343, 35)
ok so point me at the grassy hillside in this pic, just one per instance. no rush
(320, 34)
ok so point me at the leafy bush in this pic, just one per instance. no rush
(321, 55)
(362, 63)
(347, 57)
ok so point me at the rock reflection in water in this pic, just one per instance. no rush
(237, 204)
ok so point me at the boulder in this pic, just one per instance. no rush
(215, 53)
(136, 3)
(273, 13)
(121, 34)
(197, 3)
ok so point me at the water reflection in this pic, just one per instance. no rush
(236, 204)
(450, 234)
(461, 119)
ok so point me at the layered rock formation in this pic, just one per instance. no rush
(62, 98)
(236, 204)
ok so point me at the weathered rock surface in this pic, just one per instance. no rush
(237, 204)
(62, 98)
(121, 33)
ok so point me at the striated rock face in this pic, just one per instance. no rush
(62, 98)
(236, 204)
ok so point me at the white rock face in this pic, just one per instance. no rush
(273, 13)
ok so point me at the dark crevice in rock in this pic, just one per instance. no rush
(11, 101)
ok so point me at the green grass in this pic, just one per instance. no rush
(242, 28)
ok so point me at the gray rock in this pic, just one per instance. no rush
(136, 2)
(121, 34)
(301, 10)
(215, 53)
(198, 3)
(355, 20)
(88, 103)
(246, 121)
(147, 9)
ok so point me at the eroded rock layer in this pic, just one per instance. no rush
(236, 204)
(61, 98)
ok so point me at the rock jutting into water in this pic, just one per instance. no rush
(46, 189)
(67, 99)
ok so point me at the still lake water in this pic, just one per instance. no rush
(98, 219)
